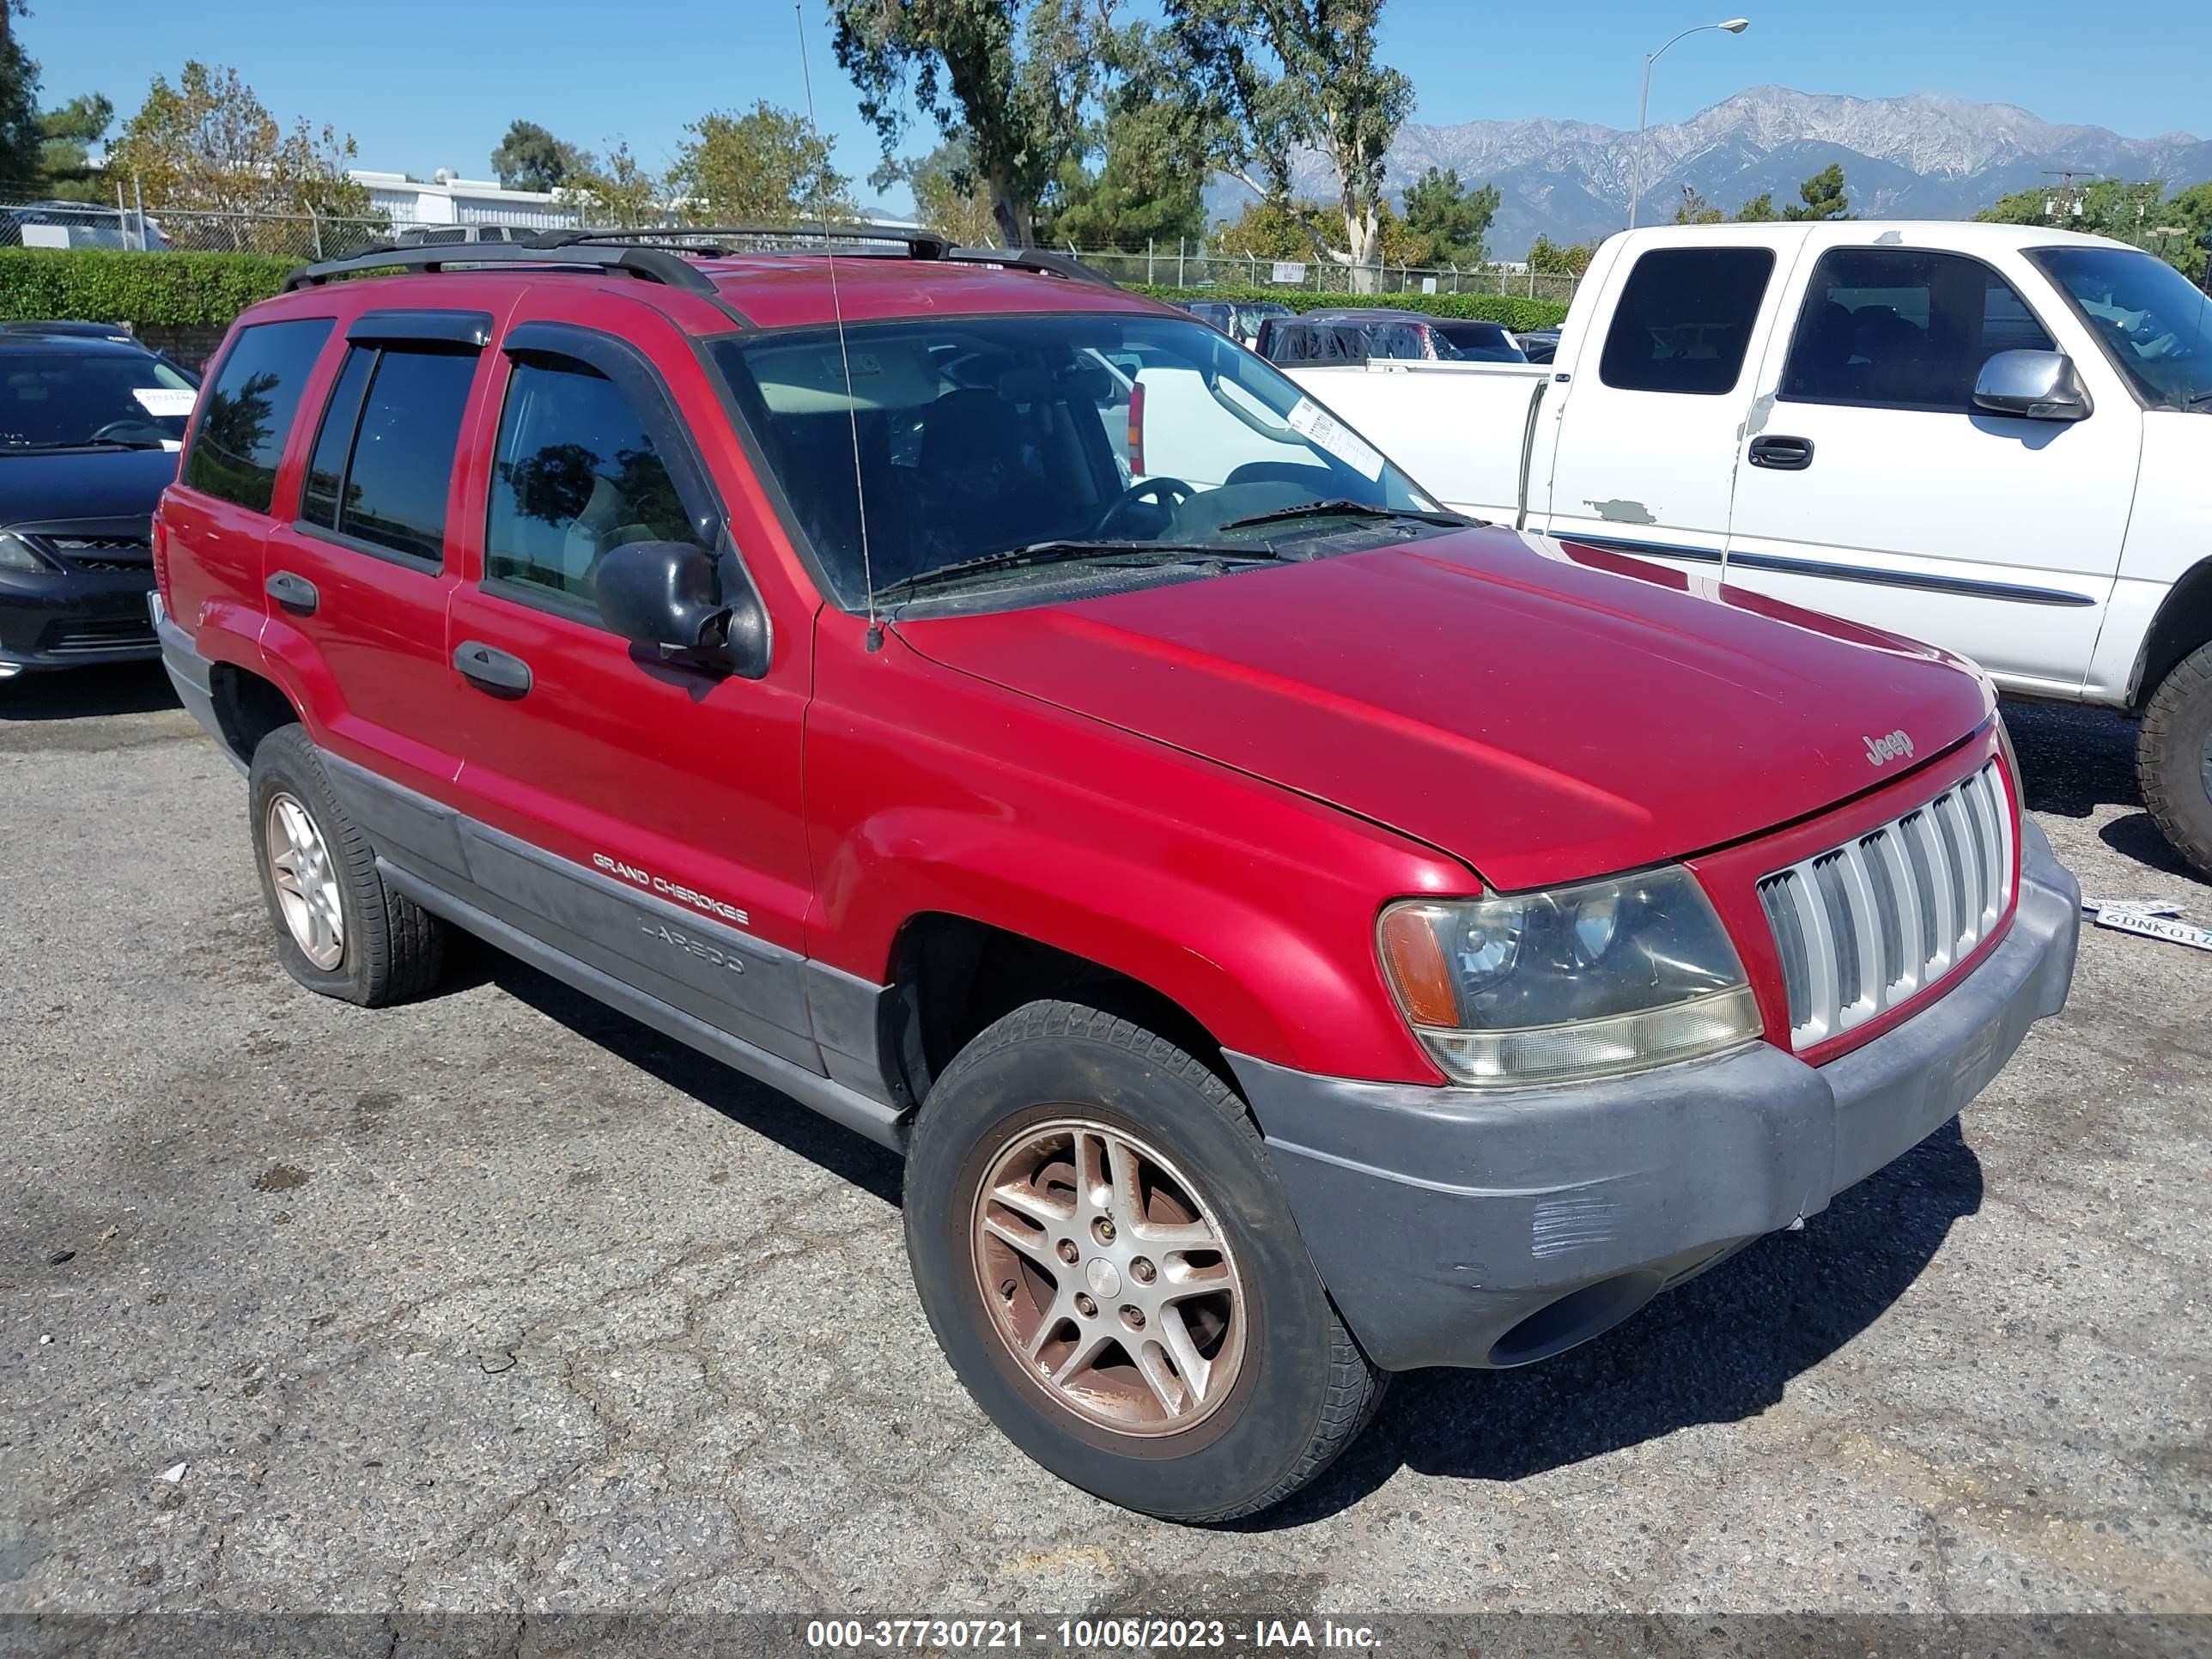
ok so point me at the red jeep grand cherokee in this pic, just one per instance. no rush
(1294, 934)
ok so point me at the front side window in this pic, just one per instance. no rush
(576, 473)
(250, 406)
(1017, 447)
(2154, 324)
(90, 398)
(383, 461)
(1685, 319)
(1903, 328)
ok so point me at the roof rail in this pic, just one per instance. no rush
(1033, 258)
(652, 265)
(919, 244)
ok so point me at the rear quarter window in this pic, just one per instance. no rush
(1685, 319)
(247, 411)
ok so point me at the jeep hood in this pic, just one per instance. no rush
(1544, 711)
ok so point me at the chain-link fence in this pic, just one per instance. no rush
(46, 223)
(1193, 265)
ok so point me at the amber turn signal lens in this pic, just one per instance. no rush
(1416, 962)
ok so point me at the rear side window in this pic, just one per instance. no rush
(384, 459)
(248, 411)
(1685, 319)
(575, 474)
(1903, 328)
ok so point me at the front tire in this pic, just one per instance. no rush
(1111, 1268)
(2173, 758)
(340, 931)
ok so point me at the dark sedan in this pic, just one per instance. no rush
(90, 424)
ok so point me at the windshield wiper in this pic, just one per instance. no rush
(1349, 509)
(1066, 551)
(87, 443)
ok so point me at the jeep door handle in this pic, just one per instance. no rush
(492, 669)
(294, 593)
(1781, 454)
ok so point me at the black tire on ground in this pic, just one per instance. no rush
(2171, 758)
(1303, 1390)
(393, 947)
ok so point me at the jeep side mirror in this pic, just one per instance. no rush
(666, 594)
(2032, 385)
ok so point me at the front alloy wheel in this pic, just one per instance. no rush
(1109, 1278)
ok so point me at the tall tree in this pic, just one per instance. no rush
(66, 138)
(18, 104)
(948, 195)
(618, 192)
(209, 143)
(1016, 80)
(1446, 222)
(1759, 210)
(1549, 258)
(1276, 73)
(1821, 196)
(1150, 189)
(766, 165)
(530, 158)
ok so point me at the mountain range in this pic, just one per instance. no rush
(1915, 157)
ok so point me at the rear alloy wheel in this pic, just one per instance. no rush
(1108, 1263)
(339, 929)
(2173, 758)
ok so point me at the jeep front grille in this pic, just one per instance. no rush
(1863, 926)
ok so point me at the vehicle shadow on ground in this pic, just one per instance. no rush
(76, 694)
(2074, 760)
(756, 1106)
(1717, 1350)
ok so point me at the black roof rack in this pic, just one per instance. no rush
(919, 244)
(652, 265)
(633, 251)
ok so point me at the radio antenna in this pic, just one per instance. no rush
(875, 637)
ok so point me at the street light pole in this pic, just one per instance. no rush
(1734, 26)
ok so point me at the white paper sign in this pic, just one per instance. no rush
(1428, 285)
(45, 236)
(163, 402)
(1289, 271)
(1309, 419)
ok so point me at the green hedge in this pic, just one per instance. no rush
(206, 290)
(1511, 309)
(105, 285)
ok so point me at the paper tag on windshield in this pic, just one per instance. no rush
(165, 403)
(1311, 421)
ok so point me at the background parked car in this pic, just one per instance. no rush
(90, 422)
(78, 224)
(1538, 345)
(1239, 319)
(1347, 338)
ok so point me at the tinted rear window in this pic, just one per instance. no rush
(400, 463)
(1685, 319)
(249, 408)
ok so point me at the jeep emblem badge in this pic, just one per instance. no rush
(1881, 751)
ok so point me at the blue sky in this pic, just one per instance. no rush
(427, 83)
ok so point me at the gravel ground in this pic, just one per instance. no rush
(499, 1300)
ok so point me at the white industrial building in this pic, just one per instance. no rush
(448, 199)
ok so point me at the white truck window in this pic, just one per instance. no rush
(1685, 319)
(1903, 328)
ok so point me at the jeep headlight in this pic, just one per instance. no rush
(1584, 981)
(15, 553)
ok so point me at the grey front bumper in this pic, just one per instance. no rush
(1464, 1227)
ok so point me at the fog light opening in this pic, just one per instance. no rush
(1574, 1319)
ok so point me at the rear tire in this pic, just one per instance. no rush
(1223, 1380)
(2173, 758)
(340, 931)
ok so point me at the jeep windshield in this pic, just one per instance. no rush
(95, 398)
(978, 437)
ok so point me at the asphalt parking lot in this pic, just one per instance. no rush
(499, 1299)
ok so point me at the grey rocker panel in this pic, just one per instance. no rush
(752, 1005)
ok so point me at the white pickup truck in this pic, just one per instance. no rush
(1994, 438)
